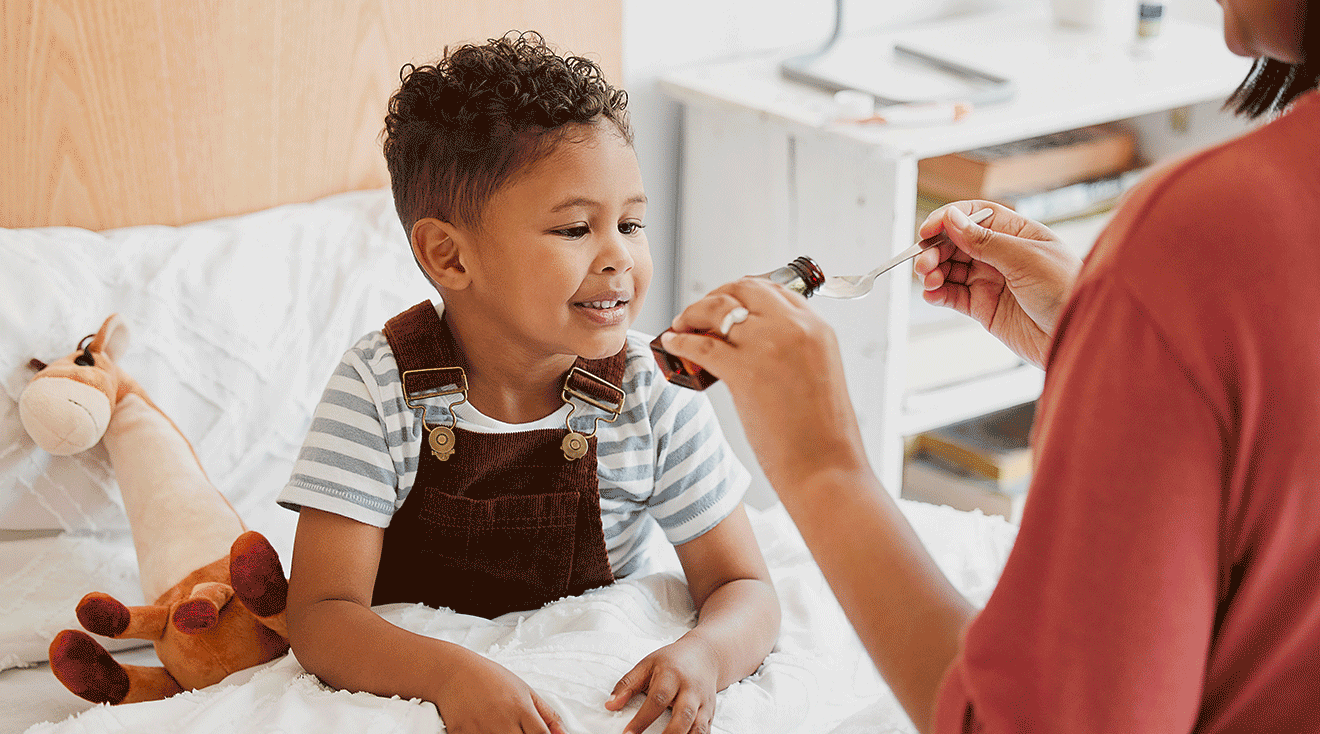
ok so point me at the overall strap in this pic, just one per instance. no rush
(609, 369)
(421, 340)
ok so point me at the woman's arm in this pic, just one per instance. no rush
(337, 636)
(788, 386)
(737, 625)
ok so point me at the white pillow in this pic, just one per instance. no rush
(236, 325)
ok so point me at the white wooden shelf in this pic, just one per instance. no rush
(767, 175)
(996, 390)
(1065, 79)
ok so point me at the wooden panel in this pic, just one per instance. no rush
(159, 111)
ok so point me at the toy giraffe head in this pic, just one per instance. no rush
(180, 520)
(67, 406)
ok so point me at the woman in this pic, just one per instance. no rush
(1167, 572)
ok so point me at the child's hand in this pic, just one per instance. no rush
(483, 697)
(680, 676)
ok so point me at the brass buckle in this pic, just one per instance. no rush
(569, 391)
(575, 444)
(441, 437)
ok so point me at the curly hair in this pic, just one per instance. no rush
(460, 129)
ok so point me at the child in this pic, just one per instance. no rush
(553, 445)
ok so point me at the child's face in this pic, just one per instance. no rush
(561, 263)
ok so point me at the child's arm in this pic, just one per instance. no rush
(738, 623)
(337, 636)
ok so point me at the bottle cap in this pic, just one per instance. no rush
(810, 273)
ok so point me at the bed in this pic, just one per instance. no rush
(179, 169)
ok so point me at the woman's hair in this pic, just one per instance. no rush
(1272, 85)
(460, 129)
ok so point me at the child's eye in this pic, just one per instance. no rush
(574, 233)
(631, 228)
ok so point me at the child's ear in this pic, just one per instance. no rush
(436, 246)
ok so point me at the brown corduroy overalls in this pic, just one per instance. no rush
(507, 523)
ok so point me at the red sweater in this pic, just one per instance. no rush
(1167, 573)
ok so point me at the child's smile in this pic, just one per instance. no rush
(607, 309)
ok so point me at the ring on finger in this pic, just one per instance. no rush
(735, 316)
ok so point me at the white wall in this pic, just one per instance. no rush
(660, 35)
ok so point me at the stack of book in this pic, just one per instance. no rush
(1049, 178)
(979, 464)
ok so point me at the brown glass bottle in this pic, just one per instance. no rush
(802, 275)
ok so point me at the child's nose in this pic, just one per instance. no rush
(616, 256)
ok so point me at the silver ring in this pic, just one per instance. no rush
(736, 316)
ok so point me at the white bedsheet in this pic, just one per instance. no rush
(818, 679)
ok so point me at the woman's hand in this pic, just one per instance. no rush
(483, 697)
(1013, 274)
(680, 676)
(784, 372)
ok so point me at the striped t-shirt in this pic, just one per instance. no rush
(663, 462)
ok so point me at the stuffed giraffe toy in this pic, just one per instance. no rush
(194, 553)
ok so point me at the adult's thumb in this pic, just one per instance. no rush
(1004, 252)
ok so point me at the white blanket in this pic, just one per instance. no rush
(572, 652)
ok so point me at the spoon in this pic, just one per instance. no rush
(856, 286)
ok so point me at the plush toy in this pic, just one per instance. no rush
(193, 553)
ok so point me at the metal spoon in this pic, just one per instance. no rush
(856, 286)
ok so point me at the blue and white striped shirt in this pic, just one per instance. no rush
(663, 462)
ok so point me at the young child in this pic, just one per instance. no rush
(553, 446)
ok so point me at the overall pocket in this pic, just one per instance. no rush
(501, 554)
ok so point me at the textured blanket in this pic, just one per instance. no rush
(572, 652)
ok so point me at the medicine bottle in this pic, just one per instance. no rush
(802, 276)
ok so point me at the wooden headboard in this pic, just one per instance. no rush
(172, 111)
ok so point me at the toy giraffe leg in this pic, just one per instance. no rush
(179, 519)
(105, 615)
(88, 671)
(258, 579)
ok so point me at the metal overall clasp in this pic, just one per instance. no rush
(575, 444)
(441, 437)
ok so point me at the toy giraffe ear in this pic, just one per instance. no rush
(113, 337)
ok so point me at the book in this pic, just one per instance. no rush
(927, 479)
(1033, 164)
(994, 446)
(1077, 218)
(1074, 200)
